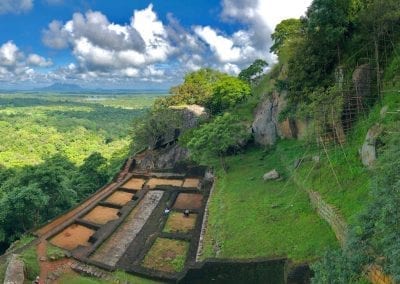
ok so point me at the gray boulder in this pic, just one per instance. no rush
(368, 150)
(272, 175)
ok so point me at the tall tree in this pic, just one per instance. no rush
(253, 72)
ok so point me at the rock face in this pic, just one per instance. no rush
(15, 271)
(272, 175)
(168, 155)
(368, 150)
(265, 122)
(266, 127)
(191, 115)
(362, 80)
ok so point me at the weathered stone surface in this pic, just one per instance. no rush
(265, 122)
(191, 115)
(113, 249)
(383, 111)
(15, 271)
(162, 158)
(368, 150)
(362, 80)
(170, 157)
(272, 175)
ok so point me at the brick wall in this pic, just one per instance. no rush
(330, 214)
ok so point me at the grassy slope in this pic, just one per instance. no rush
(252, 218)
(249, 218)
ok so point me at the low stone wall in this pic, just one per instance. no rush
(15, 271)
(330, 215)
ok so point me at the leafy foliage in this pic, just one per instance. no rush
(214, 139)
(252, 73)
(209, 88)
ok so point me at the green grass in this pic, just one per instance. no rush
(252, 218)
(30, 260)
(54, 253)
(24, 240)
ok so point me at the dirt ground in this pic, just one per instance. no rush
(178, 223)
(152, 183)
(73, 236)
(188, 201)
(120, 198)
(101, 215)
(191, 182)
(165, 253)
(134, 183)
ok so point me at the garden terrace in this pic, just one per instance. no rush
(137, 224)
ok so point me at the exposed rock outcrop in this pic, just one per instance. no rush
(362, 80)
(265, 123)
(15, 271)
(266, 126)
(368, 150)
(167, 154)
(191, 115)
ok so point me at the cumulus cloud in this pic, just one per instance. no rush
(15, 6)
(102, 48)
(146, 49)
(37, 60)
(15, 66)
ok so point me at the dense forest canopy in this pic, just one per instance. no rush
(55, 150)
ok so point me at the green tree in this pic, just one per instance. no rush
(227, 92)
(196, 88)
(286, 32)
(252, 73)
(157, 126)
(214, 139)
(92, 175)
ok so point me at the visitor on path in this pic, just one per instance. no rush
(186, 213)
(166, 211)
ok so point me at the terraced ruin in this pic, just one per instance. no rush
(137, 224)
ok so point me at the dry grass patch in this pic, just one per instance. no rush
(188, 201)
(192, 182)
(134, 183)
(167, 255)
(72, 237)
(178, 223)
(120, 198)
(101, 215)
(152, 183)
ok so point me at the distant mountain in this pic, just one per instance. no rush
(61, 87)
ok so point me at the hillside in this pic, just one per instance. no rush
(302, 162)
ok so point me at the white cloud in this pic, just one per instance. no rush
(106, 48)
(146, 49)
(222, 46)
(37, 60)
(276, 11)
(15, 66)
(15, 6)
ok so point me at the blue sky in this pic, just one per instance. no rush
(133, 43)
